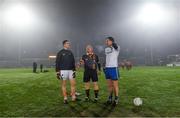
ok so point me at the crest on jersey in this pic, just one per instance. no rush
(108, 50)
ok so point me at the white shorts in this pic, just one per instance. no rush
(67, 74)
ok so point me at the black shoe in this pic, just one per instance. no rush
(87, 99)
(65, 102)
(95, 100)
(115, 102)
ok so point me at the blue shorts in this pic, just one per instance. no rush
(112, 73)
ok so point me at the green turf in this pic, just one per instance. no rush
(23, 93)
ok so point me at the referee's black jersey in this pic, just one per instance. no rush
(91, 62)
(65, 60)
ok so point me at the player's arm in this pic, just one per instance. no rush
(74, 63)
(58, 60)
(73, 66)
(116, 47)
(98, 63)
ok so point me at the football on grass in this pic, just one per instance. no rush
(137, 101)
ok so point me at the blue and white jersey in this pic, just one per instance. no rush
(112, 57)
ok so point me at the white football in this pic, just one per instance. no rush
(137, 101)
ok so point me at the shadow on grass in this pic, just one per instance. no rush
(79, 108)
(137, 109)
(103, 112)
(106, 109)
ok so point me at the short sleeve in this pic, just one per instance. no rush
(83, 57)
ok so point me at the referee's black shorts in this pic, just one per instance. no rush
(90, 75)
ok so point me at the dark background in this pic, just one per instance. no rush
(89, 22)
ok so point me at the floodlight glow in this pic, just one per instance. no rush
(152, 13)
(18, 16)
(52, 57)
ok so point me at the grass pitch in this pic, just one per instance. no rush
(23, 93)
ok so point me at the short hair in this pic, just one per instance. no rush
(111, 39)
(89, 46)
(64, 41)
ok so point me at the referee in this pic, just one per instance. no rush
(91, 67)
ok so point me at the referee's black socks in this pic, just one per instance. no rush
(96, 93)
(87, 92)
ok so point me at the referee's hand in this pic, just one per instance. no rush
(81, 62)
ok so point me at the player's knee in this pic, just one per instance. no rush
(110, 86)
(63, 87)
(64, 84)
(73, 83)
